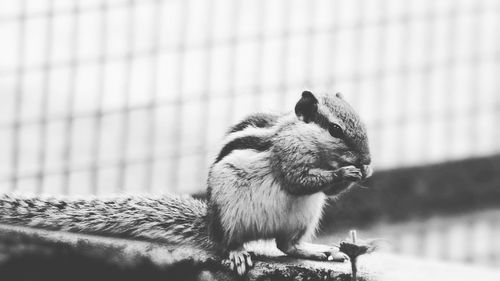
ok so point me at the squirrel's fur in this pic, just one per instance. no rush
(169, 219)
(267, 180)
(270, 180)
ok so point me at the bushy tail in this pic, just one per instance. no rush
(169, 219)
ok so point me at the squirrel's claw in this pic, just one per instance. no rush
(350, 173)
(239, 261)
(248, 258)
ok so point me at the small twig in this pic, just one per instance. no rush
(354, 260)
(356, 248)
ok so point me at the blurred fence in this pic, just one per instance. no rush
(466, 238)
(471, 237)
(133, 96)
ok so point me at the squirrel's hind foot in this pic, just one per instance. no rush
(314, 252)
(337, 256)
(239, 261)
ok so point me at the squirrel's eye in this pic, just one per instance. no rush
(335, 131)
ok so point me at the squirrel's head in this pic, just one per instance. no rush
(337, 130)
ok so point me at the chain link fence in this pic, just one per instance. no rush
(133, 96)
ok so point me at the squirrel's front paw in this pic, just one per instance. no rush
(349, 173)
(239, 261)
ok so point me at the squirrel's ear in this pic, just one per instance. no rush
(306, 107)
(339, 95)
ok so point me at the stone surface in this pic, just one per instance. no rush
(32, 254)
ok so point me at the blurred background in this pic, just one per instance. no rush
(101, 97)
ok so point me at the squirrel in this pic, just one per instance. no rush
(270, 180)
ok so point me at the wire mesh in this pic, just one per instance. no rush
(418, 73)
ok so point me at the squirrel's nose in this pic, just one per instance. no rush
(367, 171)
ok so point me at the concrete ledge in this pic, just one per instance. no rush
(33, 254)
